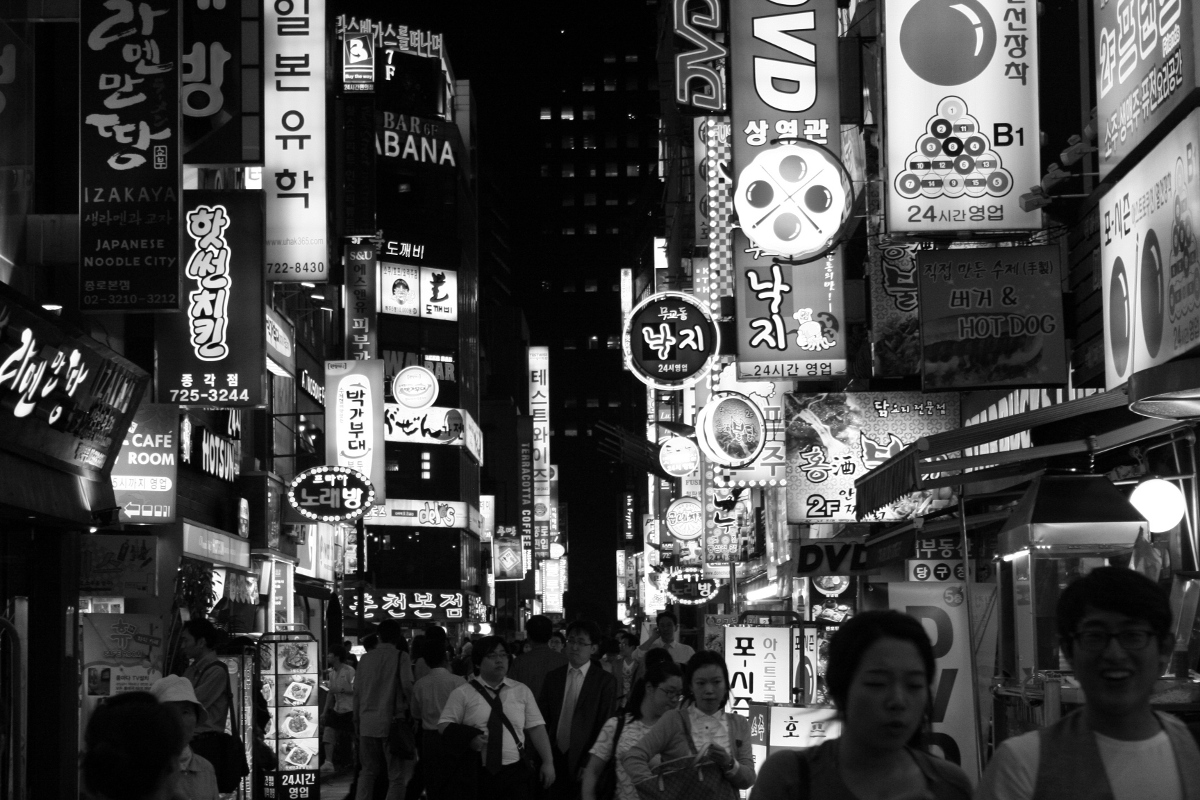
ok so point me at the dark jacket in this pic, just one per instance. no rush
(596, 703)
(462, 762)
(531, 668)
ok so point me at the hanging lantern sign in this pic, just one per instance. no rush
(731, 429)
(678, 456)
(685, 518)
(331, 494)
(670, 341)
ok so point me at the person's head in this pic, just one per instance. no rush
(400, 289)
(526, 646)
(627, 643)
(131, 749)
(336, 656)
(610, 648)
(706, 681)
(583, 639)
(1114, 627)
(539, 629)
(177, 692)
(490, 657)
(657, 655)
(668, 624)
(656, 693)
(435, 646)
(389, 632)
(199, 636)
(370, 641)
(557, 642)
(879, 672)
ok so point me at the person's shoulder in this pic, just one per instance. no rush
(945, 772)
(202, 765)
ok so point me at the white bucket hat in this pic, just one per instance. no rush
(176, 689)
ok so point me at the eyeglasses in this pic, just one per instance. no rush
(1094, 641)
(670, 694)
(497, 655)
(579, 643)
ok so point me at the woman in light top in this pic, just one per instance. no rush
(650, 698)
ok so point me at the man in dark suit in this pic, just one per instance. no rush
(576, 700)
(531, 668)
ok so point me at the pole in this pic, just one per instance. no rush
(966, 552)
(360, 551)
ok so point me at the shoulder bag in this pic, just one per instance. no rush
(606, 784)
(685, 778)
(225, 750)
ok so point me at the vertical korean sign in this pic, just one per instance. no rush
(214, 131)
(294, 140)
(129, 155)
(525, 483)
(962, 114)
(354, 419)
(539, 409)
(213, 353)
(760, 666)
(362, 300)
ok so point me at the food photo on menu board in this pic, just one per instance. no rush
(296, 657)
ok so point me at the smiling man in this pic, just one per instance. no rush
(1114, 628)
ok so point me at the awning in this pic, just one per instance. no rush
(907, 471)
(53, 497)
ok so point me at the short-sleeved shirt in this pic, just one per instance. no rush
(430, 694)
(631, 733)
(341, 689)
(467, 706)
(680, 652)
(210, 680)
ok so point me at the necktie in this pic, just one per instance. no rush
(495, 743)
(568, 710)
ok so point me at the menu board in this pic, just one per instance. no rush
(290, 679)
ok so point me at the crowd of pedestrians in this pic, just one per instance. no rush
(592, 720)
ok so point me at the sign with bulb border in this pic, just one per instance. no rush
(331, 494)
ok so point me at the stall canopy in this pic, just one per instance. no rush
(936, 461)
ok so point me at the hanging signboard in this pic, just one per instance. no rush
(731, 429)
(688, 586)
(991, 317)
(678, 456)
(353, 424)
(791, 317)
(769, 467)
(685, 518)
(450, 514)
(214, 352)
(760, 665)
(415, 388)
(331, 494)
(413, 606)
(358, 62)
(434, 425)
(538, 371)
(670, 341)
(508, 563)
(729, 524)
(144, 475)
(962, 124)
(699, 73)
(294, 150)
(834, 438)
(1149, 257)
(362, 299)
(1145, 69)
(116, 565)
(129, 157)
(891, 271)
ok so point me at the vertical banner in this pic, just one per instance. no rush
(539, 410)
(362, 299)
(294, 140)
(962, 124)
(212, 83)
(129, 156)
(214, 352)
(791, 318)
(760, 665)
(891, 271)
(356, 192)
(487, 512)
(507, 560)
(942, 609)
(145, 472)
(525, 485)
(354, 419)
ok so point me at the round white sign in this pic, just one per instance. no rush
(679, 456)
(685, 518)
(415, 388)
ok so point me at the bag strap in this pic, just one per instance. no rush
(687, 729)
(495, 703)
(228, 693)
(617, 736)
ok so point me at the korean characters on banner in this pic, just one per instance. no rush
(214, 129)
(834, 438)
(409, 606)
(354, 419)
(961, 122)
(539, 409)
(289, 671)
(891, 270)
(991, 317)
(294, 140)
(1145, 68)
(214, 352)
(129, 155)
(942, 609)
(728, 524)
(791, 318)
(362, 299)
(760, 666)
(1149, 257)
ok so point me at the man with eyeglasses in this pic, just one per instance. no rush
(577, 699)
(1115, 630)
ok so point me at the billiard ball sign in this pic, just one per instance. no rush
(331, 494)
(670, 341)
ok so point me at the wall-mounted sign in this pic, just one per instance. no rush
(415, 388)
(215, 130)
(118, 565)
(962, 124)
(678, 456)
(417, 143)
(991, 317)
(312, 386)
(400, 289)
(791, 318)
(731, 429)
(791, 195)
(538, 363)
(1145, 68)
(688, 585)
(769, 468)
(818, 557)
(553, 577)
(729, 525)
(358, 62)
(129, 155)
(353, 429)
(525, 478)
(448, 514)
(216, 546)
(331, 494)
(670, 341)
(760, 665)
(362, 299)
(699, 73)
(508, 562)
(685, 518)
(281, 344)
(834, 438)
(434, 425)
(891, 271)
(295, 141)
(216, 454)
(213, 353)
(487, 513)
(1148, 252)
(145, 472)
(414, 606)
(439, 294)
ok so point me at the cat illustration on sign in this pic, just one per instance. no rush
(875, 453)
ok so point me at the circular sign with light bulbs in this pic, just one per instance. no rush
(731, 429)
(678, 456)
(670, 341)
(794, 200)
(331, 494)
